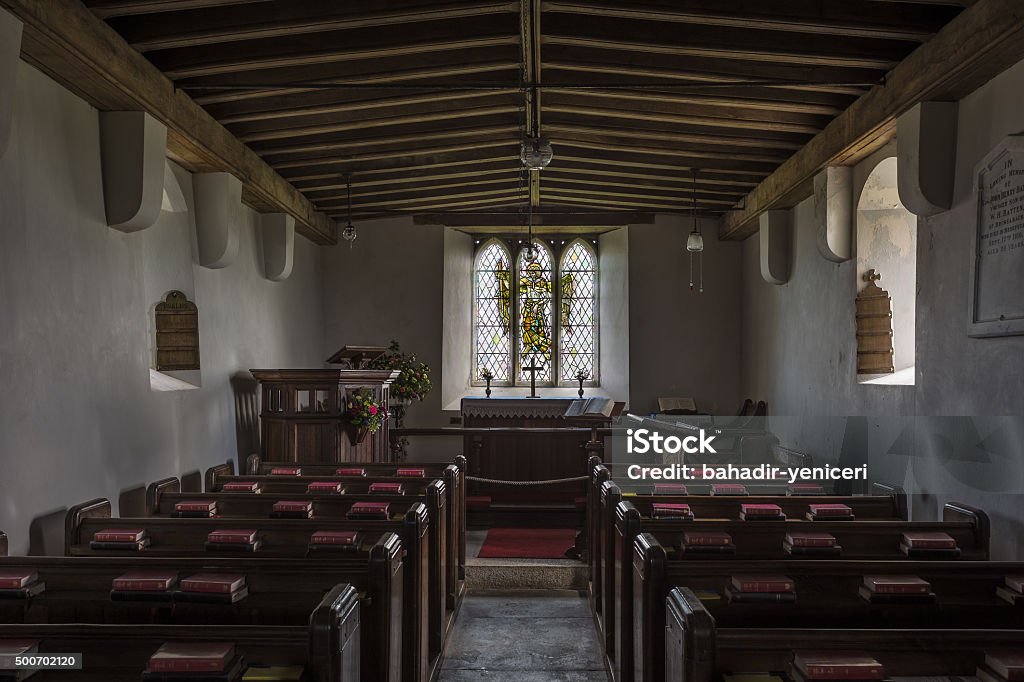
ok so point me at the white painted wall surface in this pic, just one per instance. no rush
(77, 417)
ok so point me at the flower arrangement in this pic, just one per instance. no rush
(363, 412)
(413, 382)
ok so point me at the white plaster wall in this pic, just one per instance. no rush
(613, 314)
(682, 343)
(77, 417)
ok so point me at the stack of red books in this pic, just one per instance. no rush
(195, 509)
(929, 545)
(241, 487)
(761, 512)
(374, 511)
(1013, 591)
(728, 489)
(129, 539)
(350, 471)
(217, 588)
(829, 512)
(17, 647)
(194, 661)
(805, 489)
(711, 542)
(335, 539)
(144, 585)
(760, 589)
(665, 510)
(669, 489)
(1002, 666)
(233, 540)
(849, 666)
(896, 589)
(810, 543)
(20, 584)
(387, 488)
(286, 471)
(330, 487)
(411, 473)
(292, 509)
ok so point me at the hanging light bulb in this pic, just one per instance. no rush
(695, 240)
(535, 153)
(348, 233)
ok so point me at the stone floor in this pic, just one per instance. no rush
(504, 574)
(524, 636)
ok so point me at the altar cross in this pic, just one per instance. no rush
(533, 369)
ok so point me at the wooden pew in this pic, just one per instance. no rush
(827, 597)
(119, 653)
(889, 503)
(161, 496)
(281, 592)
(698, 651)
(761, 540)
(453, 476)
(424, 617)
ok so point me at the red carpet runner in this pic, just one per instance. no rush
(527, 543)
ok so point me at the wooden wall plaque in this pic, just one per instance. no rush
(177, 334)
(997, 283)
(874, 328)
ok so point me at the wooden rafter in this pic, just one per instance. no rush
(975, 46)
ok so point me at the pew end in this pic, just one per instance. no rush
(689, 637)
(898, 495)
(3, 544)
(98, 508)
(335, 634)
(156, 489)
(957, 512)
(212, 474)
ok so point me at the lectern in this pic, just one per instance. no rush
(302, 417)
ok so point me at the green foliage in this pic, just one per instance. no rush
(413, 383)
(362, 409)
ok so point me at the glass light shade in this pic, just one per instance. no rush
(348, 233)
(530, 253)
(536, 153)
(695, 242)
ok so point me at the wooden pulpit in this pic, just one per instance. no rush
(302, 414)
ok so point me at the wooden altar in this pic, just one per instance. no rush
(302, 414)
(526, 456)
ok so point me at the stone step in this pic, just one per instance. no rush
(540, 574)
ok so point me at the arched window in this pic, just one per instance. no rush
(541, 313)
(492, 314)
(578, 317)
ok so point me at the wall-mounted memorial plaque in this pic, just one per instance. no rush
(997, 272)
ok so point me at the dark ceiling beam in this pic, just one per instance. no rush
(681, 179)
(371, 123)
(511, 199)
(313, 187)
(108, 9)
(656, 200)
(540, 219)
(622, 162)
(771, 52)
(233, 61)
(596, 203)
(298, 110)
(683, 121)
(608, 143)
(256, 99)
(67, 42)
(285, 20)
(974, 47)
(733, 104)
(676, 188)
(849, 19)
(406, 142)
(374, 192)
(584, 132)
(388, 163)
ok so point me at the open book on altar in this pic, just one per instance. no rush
(591, 407)
(677, 406)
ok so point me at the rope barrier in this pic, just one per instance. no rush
(553, 481)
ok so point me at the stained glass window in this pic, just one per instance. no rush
(493, 318)
(578, 324)
(535, 306)
(539, 313)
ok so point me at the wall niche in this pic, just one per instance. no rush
(177, 344)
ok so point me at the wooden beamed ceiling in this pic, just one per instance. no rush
(423, 104)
